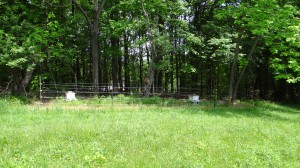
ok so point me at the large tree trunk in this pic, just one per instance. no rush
(95, 60)
(153, 54)
(20, 82)
(149, 80)
(26, 79)
(94, 32)
(95, 43)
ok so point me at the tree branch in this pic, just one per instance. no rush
(7, 86)
(101, 8)
(144, 10)
(149, 32)
(84, 14)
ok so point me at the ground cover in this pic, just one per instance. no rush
(85, 134)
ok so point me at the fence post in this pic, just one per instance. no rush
(40, 83)
(112, 95)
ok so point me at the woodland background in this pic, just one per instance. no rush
(240, 49)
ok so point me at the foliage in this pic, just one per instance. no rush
(287, 66)
(222, 47)
(277, 25)
(195, 41)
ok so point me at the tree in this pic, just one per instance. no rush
(284, 44)
(259, 20)
(93, 25)
(211, 48)
(24, 38)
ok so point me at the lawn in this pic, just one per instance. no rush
(84, 134)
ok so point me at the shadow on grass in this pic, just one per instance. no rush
(260, 109)
(283, 108)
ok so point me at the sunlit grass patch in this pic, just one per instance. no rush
(85, 134)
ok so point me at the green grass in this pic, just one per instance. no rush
(84, 134)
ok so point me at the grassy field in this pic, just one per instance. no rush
(84, 134)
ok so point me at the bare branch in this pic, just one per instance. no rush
(7, 86)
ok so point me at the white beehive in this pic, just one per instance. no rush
(194, 98)
(70, 96)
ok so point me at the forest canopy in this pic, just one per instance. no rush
(239, 49)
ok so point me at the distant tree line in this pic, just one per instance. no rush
(215, 48)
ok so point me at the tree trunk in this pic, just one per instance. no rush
(24, 82)
(172, 73)
(95, 60)
(126, 63)
(153, 54)
(115, 62)
(141, 65)
(177, 58)
(16, 75)
(94, 32)
(158, 80)
(106, 77)
(150, 75)
(20, 82)
(95, 43)
(244, 68)
(233, 66)
(84, 72)
(120, 77)
(166, 84)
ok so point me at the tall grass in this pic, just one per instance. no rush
(84, 134)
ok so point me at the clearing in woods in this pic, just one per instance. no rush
(84, 134)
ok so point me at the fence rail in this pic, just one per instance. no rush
(85, 90)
